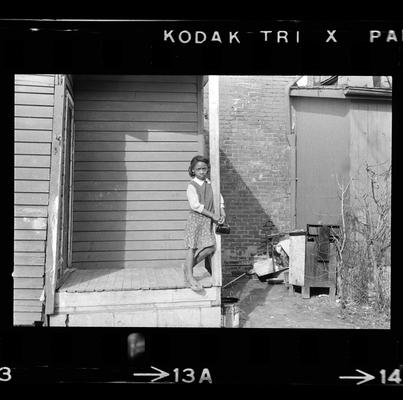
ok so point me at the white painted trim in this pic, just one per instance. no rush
(214, 148)
(53, 237)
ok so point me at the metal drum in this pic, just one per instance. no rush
(229, 312)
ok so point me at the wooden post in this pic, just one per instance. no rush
(54, 208)
(214, 146)
(200, 117)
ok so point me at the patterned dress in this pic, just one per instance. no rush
(199, 229)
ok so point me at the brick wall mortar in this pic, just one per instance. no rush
(255, 164)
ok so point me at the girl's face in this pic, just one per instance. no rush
(200, 170)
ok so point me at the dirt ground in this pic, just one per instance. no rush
(264, 305)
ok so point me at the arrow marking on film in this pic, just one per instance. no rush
(161, 374)
(365, 377)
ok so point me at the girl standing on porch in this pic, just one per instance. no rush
(199, 229)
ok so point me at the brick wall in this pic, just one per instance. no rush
(255, 164)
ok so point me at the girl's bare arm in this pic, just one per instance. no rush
(214, 217)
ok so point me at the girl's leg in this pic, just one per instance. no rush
(207, 264)
(188, 270)
(205, 254)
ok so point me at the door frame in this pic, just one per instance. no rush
(62, 100)
(69, 102)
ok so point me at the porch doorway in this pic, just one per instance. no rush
(134, 137)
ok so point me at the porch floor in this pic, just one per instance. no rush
(99, 280)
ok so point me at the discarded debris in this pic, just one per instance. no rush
(263, 267)
(238, 277)
(283, 245)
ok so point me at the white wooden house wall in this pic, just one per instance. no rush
(135, 136)
(34, 99)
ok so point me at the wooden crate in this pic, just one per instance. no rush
(306, 269)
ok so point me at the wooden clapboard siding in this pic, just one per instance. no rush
(131, 205)
(32, 136)
(32, 148)
(138, 136)
(29, 258)
(158, 263)
(127, 236)
(22, 303)
(125, 126)
(133, 146)
(39, 174)
(142, 78)
(134, 116)
(39, 99)
(28, 271)
(157, 106)
(28, 186)
(96, 226)
(119, 156)
(34, 307)
(124, 175)
(33, 112)
(30, 211)
(26, 318)
(29, 234)
(131, 185)
(167, 244)
(135, 136)
(127, 195)
(34, 283)
(34, 123)
(30, 223)
(107, 215)
(27, 294)
(28, 161)
(128, 255)
(136, 96)
(114, 85)
(29, 245)
(30, 199)
(35, 80)
(34, 89)
(131, 166)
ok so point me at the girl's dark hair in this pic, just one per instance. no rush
(194, 161)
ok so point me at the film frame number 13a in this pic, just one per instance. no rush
(187, 375)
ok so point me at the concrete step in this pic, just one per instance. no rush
(145, 308)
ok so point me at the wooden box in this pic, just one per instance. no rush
(307, 268)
